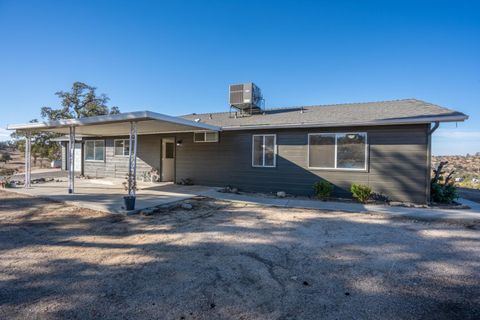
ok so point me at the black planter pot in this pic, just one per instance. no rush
(129, 202)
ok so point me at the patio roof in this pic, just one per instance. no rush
(118, 124)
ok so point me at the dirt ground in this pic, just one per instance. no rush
(17, 164)
(226, 260)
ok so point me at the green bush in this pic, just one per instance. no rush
(323, 189)
(442, 188)
(6, 171)
(443, 193)
(5, 157)
(361, 192)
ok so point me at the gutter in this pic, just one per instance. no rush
(346, 124)
(430, 131)
(435, 127)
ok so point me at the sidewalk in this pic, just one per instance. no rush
(463, 215)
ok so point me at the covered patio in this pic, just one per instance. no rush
(108, 196)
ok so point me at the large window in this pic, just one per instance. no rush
(95, 150)
(205, 136)
(346, 151)
(264, 150)
(122, 147)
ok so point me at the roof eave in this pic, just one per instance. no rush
(122, 117)
(459, 118)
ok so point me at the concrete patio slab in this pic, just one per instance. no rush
(107, 194)
(463, 215)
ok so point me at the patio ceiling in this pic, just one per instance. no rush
(118, 125)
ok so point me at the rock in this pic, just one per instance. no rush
(187, 206)
(147, 212)
(234, 190)
(281, 194)
(396, 203)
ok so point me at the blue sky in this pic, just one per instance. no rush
(178, 57)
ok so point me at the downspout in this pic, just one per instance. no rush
(430, 131)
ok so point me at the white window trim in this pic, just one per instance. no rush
(94, 160)
(336, 137)
(263, 150)
(205, 136)
(124, 144)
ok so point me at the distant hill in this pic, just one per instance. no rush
(466, 168)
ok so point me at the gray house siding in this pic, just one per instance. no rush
(148, 158)
(397, 165)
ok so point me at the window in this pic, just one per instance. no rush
(205, 136)
(264, 150)
(169, 150)
(121, 147)
(346, 151)
(95, 150)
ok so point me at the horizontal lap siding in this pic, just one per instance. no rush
(397, 166)
(148, 157)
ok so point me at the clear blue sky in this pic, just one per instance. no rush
(178, 57)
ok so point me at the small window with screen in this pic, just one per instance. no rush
(205, 136)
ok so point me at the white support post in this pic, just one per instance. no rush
(71, 158)
(132, 160)
(28, 169)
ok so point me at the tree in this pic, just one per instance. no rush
(5, 157)
(3, 145)
(82, 101)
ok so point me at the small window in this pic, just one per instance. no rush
(169, 150)
(264, 150)
(205, 136)
(95, 150)
(346, 151)
(122, 147)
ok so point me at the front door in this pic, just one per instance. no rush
(168, 159)
(78, 158)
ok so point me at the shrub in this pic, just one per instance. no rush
(443, 193)
(361, 192)
(323, 189)
(7, 171)
(442, 189)
(5, 157)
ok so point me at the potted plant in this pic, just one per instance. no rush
(129, 201)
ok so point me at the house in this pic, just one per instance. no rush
(386, 145)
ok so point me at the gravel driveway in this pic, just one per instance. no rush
(226, 260)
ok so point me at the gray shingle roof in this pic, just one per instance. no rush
(370, 113)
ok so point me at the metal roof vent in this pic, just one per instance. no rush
(246, 97)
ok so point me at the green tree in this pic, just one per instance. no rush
(82, 101)
(5, 157)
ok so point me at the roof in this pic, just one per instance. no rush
(118, 124)
(407, 111)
